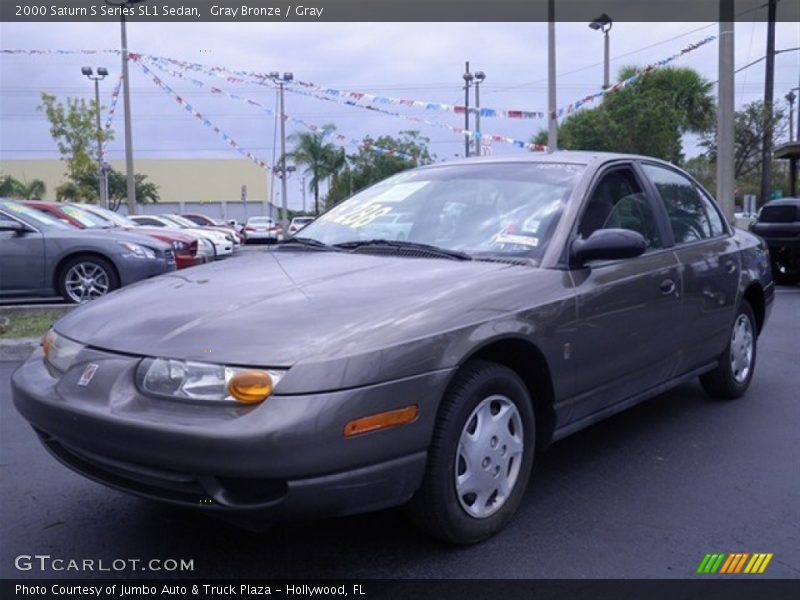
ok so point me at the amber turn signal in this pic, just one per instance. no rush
(250, 386)
(47, 342)
(391, 418)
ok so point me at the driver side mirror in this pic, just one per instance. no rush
(18, 228)
(607, 244)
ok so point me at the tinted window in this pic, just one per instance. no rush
(618, 202)
(778, 214)
(692, 216)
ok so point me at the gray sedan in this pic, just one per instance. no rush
(344, 372)
(41, 256)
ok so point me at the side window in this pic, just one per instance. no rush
(618, 202)
(692, 216)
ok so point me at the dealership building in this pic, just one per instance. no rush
(212, 186)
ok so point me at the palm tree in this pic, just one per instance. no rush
(320, 158)
(33, 190)
(13, 188)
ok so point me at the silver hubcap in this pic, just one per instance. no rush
(489, 456)
(741, 349)
(86, 281)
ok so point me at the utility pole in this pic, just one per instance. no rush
(769, 84)
(790, 98)
(126, 100)
(281, 81)
(468, 77)
(303, 189)
(726, 181)
(552, 122)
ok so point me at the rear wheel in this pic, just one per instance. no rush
(85, 278)
(733, 374)
(480, 458)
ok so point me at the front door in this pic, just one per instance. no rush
(628, 310)
(21, 260)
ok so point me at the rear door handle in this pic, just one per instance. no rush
(667, 286)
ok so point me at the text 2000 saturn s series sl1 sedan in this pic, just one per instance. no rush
(343, 373)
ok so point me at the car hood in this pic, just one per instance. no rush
(280, 308)
(106, 235)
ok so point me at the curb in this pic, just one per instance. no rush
(17, 349)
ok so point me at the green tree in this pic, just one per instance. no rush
(13, 188)
(320, 158)
(87, 185)
(74, 130)
(648, 116)
(370, 165)
(73, 126)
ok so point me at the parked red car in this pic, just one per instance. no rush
(206, 221)
(184, 246)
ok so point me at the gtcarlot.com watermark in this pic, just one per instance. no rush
(45, 563)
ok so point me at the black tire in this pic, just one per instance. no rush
(92, 263)
(436, 507)
(725, 382)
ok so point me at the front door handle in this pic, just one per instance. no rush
(730, 266)
(667, 287)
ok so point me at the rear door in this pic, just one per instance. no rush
(22, 260)
(710, 264)
(629, 311)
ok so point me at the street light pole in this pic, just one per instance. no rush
(480, 76)
(604, 23)
(790, 98)
(281, 81)
(467, 81)
(102, 72)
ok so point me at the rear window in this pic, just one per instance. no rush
(778, 214)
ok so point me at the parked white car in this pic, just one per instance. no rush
(261, 229)
(223, 246)
(298, 223)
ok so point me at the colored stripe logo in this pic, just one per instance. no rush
(734, 562)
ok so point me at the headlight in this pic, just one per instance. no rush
(60, 352)
(137, 250)
(204, 247)
(180, 246)
(189, 380)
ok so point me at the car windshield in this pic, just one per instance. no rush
(33, 217)
(85, 218)
(479, 209)
(180, 220)
(109, 215)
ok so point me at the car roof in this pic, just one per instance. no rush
(575, 157)
(787, 201)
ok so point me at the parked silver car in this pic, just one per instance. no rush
(42, 256)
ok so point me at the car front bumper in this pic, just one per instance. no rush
(284, 458)
(133, 269)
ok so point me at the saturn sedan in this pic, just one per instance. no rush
(346, 372)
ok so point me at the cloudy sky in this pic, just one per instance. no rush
(422, 61)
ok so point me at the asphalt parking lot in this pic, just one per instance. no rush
(644, 494)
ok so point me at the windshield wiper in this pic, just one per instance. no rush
(308, 243)
(402, 245)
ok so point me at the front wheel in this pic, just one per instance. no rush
(85, 278)
(732, 376)
(480, 457)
